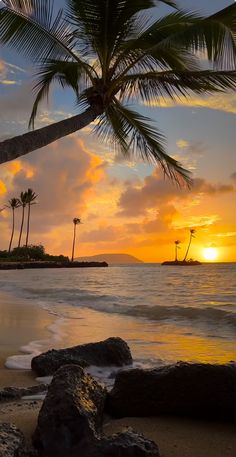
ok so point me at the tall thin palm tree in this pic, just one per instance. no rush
(177, 243)
(30, 200)
(192, 231)
(110, 53)
(13, 203)
(23, 203)
(76, 221)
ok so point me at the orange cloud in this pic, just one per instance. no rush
(3, 188)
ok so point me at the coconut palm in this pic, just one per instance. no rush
(13, 203)
(30, 200)
(23, 203)
(111, 52)
(177, 242)
(192, 231)
(76, 221)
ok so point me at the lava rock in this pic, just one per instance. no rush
(70, 419)
(15, 393)
(183, 389)
(125, 444)
(12, 443)
(113, 351)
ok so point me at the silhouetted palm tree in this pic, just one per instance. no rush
(30, 200)
(13, 203)
(192, 231)
(76, 221)
(112, 52)
(23, 203)
(177, 242)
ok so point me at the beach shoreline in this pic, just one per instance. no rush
(26, 322)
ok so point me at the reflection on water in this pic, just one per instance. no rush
(166, 314)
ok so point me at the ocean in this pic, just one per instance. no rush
(165, 314)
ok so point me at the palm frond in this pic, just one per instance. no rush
(65, 72)
(30, 28)
(152, 86)
(214, 36)
(103, 25)
(139, 138)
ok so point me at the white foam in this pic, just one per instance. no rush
(44, 379)
(34, 397)
(34, 348)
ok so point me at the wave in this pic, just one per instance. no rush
(176, 313)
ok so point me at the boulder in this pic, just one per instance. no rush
(70, 421)
(15, 393)
(71, 416)
(125, 444)
(12, 443)
(113, 351)
(183, 389)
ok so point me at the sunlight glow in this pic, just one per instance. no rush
(210, 254)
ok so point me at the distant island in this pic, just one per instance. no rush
(183, 263)
(110, 258)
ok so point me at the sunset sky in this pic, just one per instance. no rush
(125, 207)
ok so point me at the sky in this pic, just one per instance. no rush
(125, 206)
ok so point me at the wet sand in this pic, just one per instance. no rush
(21, 323)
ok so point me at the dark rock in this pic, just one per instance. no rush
(70, 421)
(15, 393)
(71, 416)
(183, 389)
(113, 351)
(12, 443)
(125, 444)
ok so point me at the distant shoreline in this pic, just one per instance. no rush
(48, 264)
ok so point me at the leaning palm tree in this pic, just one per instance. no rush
(192, 231)
(13, 203)
(177, 243)
(76, 221)
(23, 203)
(110, 53)
(30, 200)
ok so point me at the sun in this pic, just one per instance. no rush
(210, 254)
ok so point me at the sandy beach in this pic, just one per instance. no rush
(175, 437)
(20, 324)
(24, 322)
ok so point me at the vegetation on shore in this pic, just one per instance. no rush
(30, 253)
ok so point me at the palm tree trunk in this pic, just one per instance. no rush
(185, 257)
(28, 225)
(13, 229)
(22, 224)
(23, 144)
(73, 247)
(176, 254)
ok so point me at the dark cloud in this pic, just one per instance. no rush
(155, 192)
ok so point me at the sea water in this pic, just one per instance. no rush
(164, 313)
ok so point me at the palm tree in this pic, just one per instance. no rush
(177, 242)
(23, 203)
(113, 52)
(13, 203)
(76, 221)
(30, 200)
(192, 231)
